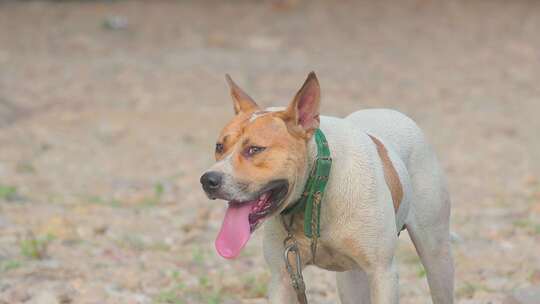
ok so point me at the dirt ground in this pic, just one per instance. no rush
(109, 112)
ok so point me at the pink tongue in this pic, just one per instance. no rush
(235, 231)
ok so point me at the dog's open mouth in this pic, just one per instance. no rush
(242, 218)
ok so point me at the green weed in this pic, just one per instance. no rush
(156, 198)
(104, 202)
(198, 256)
(35, 247)
(9, 265)
(421, 272)
(8, 193)
(171, 295)
(168, 297)
(257, 287)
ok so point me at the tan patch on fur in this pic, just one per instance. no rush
(231, 132)
(326, 257)
(351, 246)
(390, 174)
(283, 155)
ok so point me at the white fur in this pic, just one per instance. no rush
(359, 228)
(258, 114)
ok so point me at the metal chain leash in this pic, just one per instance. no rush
(295, 272)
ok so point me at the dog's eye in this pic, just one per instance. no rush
(252, 150)
(219, 148)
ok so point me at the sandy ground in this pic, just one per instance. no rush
(109, 112)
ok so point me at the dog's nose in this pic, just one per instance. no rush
(211, 181)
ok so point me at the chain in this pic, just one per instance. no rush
(291, 247)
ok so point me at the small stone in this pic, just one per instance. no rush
(101, 229)
(64, 299)
(217, 40)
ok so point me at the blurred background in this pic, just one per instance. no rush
(109, 111)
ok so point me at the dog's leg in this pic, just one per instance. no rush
(433, 247)
(353, 287)
(429, 228)
(428, 224)
(379, 272)
(383, 282)
(280, 290)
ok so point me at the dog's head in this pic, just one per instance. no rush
(260, 158)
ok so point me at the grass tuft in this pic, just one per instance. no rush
(171, 295)
(421, 271)
(257, 287)
(35, 247)
(9, 265)
(168, 297)
(198, 256)
(156, 198)
(104, 202)
(8, 193)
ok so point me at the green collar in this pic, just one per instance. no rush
(310, 201)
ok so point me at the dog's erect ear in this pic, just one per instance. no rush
(303, 111)
(242, 102)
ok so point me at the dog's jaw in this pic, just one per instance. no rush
(242, 218)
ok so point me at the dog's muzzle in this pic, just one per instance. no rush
(211, 183)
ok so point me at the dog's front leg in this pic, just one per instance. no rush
(280, 290)
(384, 284)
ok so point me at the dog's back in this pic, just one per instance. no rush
(401, 134)
(395, 128)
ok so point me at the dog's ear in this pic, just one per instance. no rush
(242, 102)
(303, 111)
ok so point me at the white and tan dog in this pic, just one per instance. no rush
(385, 177)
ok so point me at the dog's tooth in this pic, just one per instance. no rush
(260, 213)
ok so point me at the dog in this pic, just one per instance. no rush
(385, 177)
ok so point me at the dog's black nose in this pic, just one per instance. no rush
(211, 181)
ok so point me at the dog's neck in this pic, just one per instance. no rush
(302, 177)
